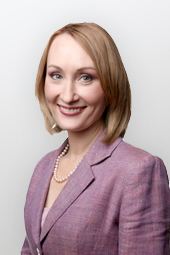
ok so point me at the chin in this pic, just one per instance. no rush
(75, 129)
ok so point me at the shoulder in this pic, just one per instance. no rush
(46, 159)
(42, 169)
(134, 155)
(137, 164)
(46, 164)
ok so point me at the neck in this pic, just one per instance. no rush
(80, 142)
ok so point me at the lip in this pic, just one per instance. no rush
(71, 111)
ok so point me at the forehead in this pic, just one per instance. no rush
(65, 49)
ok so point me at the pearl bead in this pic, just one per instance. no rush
(62, 179)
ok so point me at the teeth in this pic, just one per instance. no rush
(71, 109)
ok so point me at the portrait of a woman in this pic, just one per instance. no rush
(95, 194)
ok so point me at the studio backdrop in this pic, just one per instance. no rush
(141, 30)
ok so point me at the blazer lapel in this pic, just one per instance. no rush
(37, 203)
(78, 182)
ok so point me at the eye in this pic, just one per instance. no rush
(86, 78)
(55, 76)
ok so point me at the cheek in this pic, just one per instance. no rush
(96, 98)
(49, 92)
(46, 90)
(100, 100)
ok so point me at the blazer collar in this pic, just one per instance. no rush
(100, 151)
(78, 182)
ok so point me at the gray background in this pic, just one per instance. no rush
(141, 30)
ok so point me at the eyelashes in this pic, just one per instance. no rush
(84, 78)
(55, 76)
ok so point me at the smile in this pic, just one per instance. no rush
(71, 111)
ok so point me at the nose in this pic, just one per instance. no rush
(69, 94)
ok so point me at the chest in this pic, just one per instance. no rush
(91, 222)
(54, 190)
(86, 211)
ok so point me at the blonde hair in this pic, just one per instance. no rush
(100, 46)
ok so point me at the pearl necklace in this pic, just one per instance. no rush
(62, 179)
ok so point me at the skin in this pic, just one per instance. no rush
(72, 83)
(76, 100)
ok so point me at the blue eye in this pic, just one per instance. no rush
(55, 76)
(86, 78)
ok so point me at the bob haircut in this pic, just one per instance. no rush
(100, 46)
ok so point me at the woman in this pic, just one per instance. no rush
(96, 194)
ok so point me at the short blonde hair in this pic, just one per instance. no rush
(100, 46)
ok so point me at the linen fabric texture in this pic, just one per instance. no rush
(117, 202)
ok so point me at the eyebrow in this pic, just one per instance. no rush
(79, 69)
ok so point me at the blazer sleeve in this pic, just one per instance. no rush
(144, 225)
(25, 248)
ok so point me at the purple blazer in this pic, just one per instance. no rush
(117, 202)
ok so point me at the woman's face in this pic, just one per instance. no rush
(73, 90)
